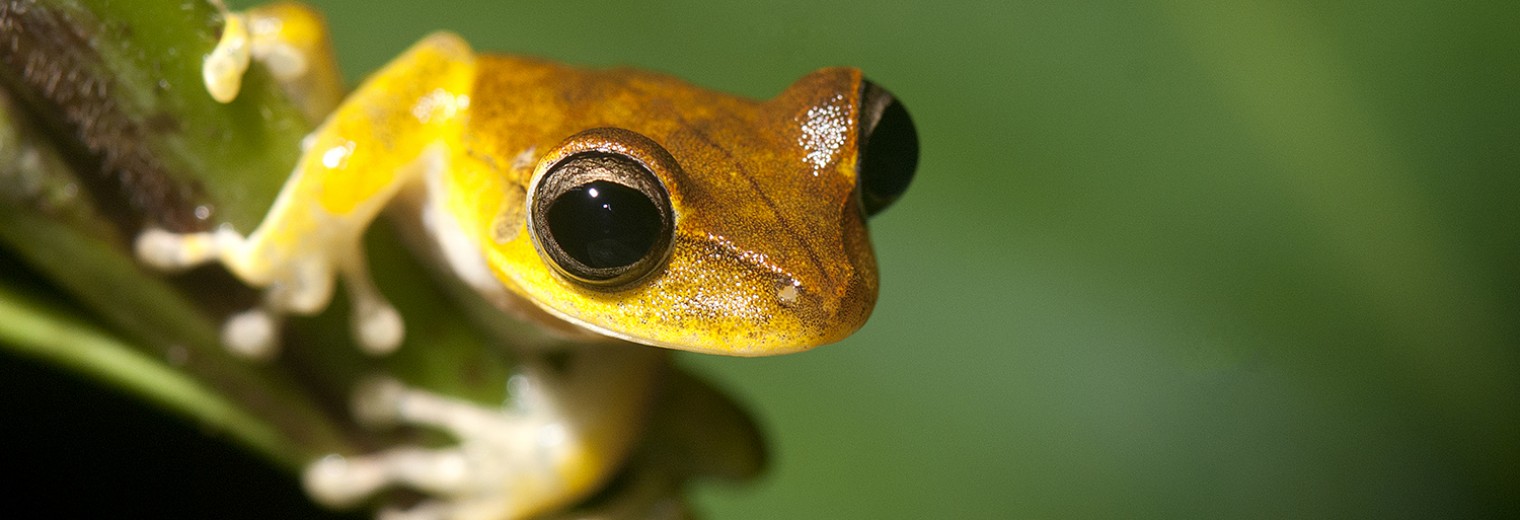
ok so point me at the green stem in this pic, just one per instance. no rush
(104, 128)
(52, 334)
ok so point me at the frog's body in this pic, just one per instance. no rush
(604, 205)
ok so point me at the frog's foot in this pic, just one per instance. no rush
(223, 70)
(508, 463)
(300, 285)
(376, 324)
(290, 39)
(173, 252)
(449, 473)
(252, 334)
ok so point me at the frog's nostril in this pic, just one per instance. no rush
(786, 294)
(888, 148)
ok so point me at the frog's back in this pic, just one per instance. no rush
(522, 103)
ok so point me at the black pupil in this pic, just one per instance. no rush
(604, 224)
(888, 158)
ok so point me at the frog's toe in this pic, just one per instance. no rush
(252, 334)
(168, 251)
(378, 328)
(426, 510)
(376, 324)
(285, 62)
(223, 69)
(304, 285)
(340, 481)
(441, 509)
(336, 481)
(376, 402)
(429, 510)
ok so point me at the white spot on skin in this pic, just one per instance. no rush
(337, 156)
(824, 131)
(439, 103)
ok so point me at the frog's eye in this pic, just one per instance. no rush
(602, 219)
(888, 148)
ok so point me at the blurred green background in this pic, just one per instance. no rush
(1171, 259)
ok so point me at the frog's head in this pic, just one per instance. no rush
(679, 217)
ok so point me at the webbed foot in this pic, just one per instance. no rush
(300, 281)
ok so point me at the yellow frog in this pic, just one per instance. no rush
(604, 206)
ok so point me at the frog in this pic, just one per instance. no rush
(615, 214)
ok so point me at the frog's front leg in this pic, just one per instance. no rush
(566, 428)
(382, 139)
